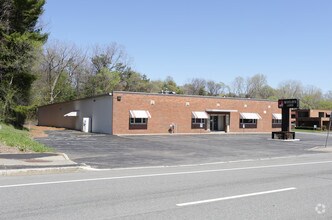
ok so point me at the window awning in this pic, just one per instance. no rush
(202, 115)
(220, 110)
(139, 114)
(71, 114)
(277, 116)
(250, 116)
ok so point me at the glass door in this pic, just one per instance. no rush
(214, 123)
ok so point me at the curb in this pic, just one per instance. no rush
(324, 149)
(36, 171)
(64, 155)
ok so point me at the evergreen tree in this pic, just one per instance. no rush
(20, 40)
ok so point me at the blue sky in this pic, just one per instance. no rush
(211, 39)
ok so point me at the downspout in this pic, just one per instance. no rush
(112, 112)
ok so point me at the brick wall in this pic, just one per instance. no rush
(177, 109)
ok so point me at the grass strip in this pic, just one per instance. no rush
(9, 136)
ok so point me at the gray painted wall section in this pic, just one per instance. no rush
(99, 109)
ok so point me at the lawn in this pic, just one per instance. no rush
(9, 136)
(308, 130)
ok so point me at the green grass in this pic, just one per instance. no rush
(307, 130)
(9, 136)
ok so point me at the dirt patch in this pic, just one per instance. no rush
(39, 131)
(35, 132)
(10, 150)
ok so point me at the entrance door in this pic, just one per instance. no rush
(217, 123)
(214, 121)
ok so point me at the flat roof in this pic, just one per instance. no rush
(90, 97)
(160, 94)
(192, 96)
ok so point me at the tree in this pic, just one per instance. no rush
(112, 56)
(20, 41)
(195, 87)
(169, 84)
(328, 95)
(109, 71)
(60, 61)
(215, 89)
(290, 89)
(325, 104)
(311, 97)
(238, 86)
(256, 86)
(267, 92)
(134, 81)
(104, 82)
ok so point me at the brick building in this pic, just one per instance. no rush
(145, 113)
(311, 119)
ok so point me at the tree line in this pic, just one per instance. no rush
(36, 72)
(67, 72)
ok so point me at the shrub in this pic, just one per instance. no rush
(21, 113)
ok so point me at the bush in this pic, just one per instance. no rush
(21, 113)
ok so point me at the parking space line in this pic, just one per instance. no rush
(235, 197)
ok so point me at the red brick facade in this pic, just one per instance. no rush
(177, 109)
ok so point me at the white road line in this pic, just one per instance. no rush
(164, 174)
(192, 165)
(235, 197)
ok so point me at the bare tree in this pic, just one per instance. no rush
(311, 97)
(255, 86)
(238, 86)
(112, 56)
(290, 89)
(213, 88)
(60, 58)
(328, 95)
(195, 87)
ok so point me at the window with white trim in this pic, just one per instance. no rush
(198, 120)
(138, 121)
(276, 121)
(248, 121)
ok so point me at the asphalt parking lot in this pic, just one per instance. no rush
(107, 151)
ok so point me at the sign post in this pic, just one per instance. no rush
(286, 105)
(328, 131)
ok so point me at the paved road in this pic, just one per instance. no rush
(286, 188)
(106, 151)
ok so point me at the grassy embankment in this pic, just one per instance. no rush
(9, 136)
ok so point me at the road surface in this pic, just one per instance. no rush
(296, 187)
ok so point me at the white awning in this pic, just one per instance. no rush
(250, 116)
(220, 110)
(202, 115)
(277, 116)
(71, 114)
(139, 114)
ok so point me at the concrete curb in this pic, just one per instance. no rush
(193, 134)
(285, 140)
(327, 149)
(38, 171)
(65, 156)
